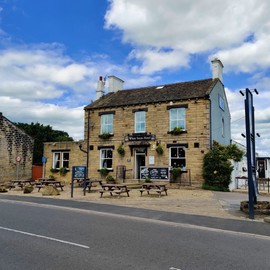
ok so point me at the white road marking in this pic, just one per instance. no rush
(44, 237)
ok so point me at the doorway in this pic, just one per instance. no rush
(261, 168)
(139, 161)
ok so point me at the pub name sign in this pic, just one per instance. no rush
(140, 137)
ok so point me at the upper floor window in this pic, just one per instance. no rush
(177, 118)
(106, 123)
(221, 102)
(140, 122)
(60, 160)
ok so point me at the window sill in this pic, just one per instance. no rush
(109, 170)
(178, 132)
(105, 136)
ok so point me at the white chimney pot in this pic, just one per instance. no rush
(115, 84)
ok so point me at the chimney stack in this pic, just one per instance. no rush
(115, 84)
(100, 88)
(217, 68)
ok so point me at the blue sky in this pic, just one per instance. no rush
(52, 53)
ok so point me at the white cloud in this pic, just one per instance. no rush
(154, 60)
(40, 83)
(59, 117)
(238, 30)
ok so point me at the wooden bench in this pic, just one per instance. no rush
(105, 191)
(56, 185)
(120, 191)
(157, 190)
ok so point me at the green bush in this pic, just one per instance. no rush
(217, 167)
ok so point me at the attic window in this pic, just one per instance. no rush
(160, 87)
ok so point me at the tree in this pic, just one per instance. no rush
(217, 167)
(42, 134)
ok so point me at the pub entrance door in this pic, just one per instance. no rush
(139, 161)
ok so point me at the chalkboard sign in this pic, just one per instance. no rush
(155, 173)
(78, 172)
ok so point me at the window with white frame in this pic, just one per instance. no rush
(178, 157)
(106, 123)
(106, 158)
(60, 160)
(177, 118)
(140, 122)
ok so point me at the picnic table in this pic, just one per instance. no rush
(153, 187)
(19, 183)
(116, 189)
(89, 184)
(49, 182)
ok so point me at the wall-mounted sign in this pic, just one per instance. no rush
(155, 173)
(140, 137)
(151, 160)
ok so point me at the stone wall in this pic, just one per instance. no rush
(76, 158)
(14, 143)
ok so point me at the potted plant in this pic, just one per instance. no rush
(110, 179)
(121, 150)
(147, 180)
(54, 170)
(104, 171)
(63, 171)
(159, 149)
(177, 131)
(176, 171)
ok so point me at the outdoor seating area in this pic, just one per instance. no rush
(94, 187)
(38, 184)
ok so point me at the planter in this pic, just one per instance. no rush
(177, 131)
(105, 136)
(104, 171)
(260, 208)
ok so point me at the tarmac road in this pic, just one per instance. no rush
(230, 200)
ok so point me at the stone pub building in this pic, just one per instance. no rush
(170, 125)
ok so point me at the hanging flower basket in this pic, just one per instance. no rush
(159, 149)
(121, 150)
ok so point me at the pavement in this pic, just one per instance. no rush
(184, 200)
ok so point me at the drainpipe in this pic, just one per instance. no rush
(210, 129)
(87, 143)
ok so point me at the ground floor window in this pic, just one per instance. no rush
(178, 157)
(106, 158)
(60, 160)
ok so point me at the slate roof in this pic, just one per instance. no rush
(156, 94)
